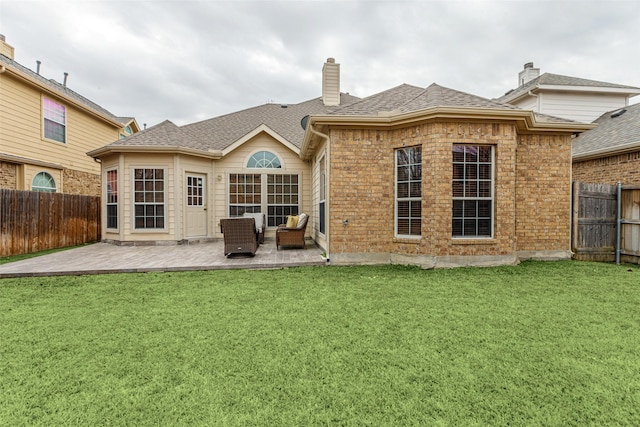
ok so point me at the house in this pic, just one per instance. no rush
(573, 98)
(429, 176)
(46, 129)
(610, 153)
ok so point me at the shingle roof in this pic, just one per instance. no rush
(560, 80)
(60, 88)
(220, 132)
(407, 98)
(615, 132)
(164, 134)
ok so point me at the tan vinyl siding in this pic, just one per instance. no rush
(154, 161)
(235, 162)
(22, 135)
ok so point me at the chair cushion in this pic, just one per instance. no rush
(292, 221)
(302, 221)
(258, 217)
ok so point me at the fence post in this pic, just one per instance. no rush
(575, 211)
(618, 221)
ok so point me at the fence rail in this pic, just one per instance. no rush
(34, 221)
(595, 220)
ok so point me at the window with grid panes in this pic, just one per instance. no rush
(148, 193)
(245, 193)
(283, 198)
(112, 198)
(408, 192)
(472, 190)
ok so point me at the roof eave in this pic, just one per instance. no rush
(153, 149)
(25, 78)
(607, 152)
(595, 89)
(525, 121)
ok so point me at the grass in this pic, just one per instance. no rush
(540, 344)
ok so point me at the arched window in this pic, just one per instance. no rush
(43, 182)
(264, 160)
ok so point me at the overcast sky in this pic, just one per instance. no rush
(188, 60)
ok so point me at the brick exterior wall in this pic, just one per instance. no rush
(76, 182)
(8, 176)
(362, 190)
(543, 196)
(609, 170)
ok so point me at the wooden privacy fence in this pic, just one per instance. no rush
(34, 221)
(598, 211)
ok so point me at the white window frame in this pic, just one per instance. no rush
(322, 195)
(263, 163)
(42, 189)
(409, 199)
(45, 118)
(491, 198)
(264, 192)
(110, 203)
(154, 203)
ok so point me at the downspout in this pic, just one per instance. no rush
(327, 199)
(618, 222)
(2, 69)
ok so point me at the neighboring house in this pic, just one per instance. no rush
(46, 130)
(610, 152)
(429, 176)
(569, 97)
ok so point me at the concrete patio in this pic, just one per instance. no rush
(104, 258)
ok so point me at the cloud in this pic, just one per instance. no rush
(190, 60)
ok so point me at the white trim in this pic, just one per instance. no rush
(106, 200)
(492, 198)
(165, 229)
(45, 189)
(408, 198)
(44, 118)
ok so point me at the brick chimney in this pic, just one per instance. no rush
(6, 49)
(529, 73)
(331, 83)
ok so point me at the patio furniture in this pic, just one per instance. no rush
(292, 236)
(239, 236)
(260, 224)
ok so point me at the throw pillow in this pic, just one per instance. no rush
(292, 221)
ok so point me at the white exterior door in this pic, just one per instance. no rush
(196, 208)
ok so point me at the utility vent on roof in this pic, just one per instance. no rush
(618, 113)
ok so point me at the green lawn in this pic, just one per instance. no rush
(548, 344)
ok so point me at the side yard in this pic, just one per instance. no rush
(542, 343)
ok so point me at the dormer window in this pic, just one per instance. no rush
(264, 160)
(54, 120)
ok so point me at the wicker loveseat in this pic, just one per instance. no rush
(239, 235)
(292, 236)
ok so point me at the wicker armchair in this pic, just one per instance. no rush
(286, 236)
(239, 236)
